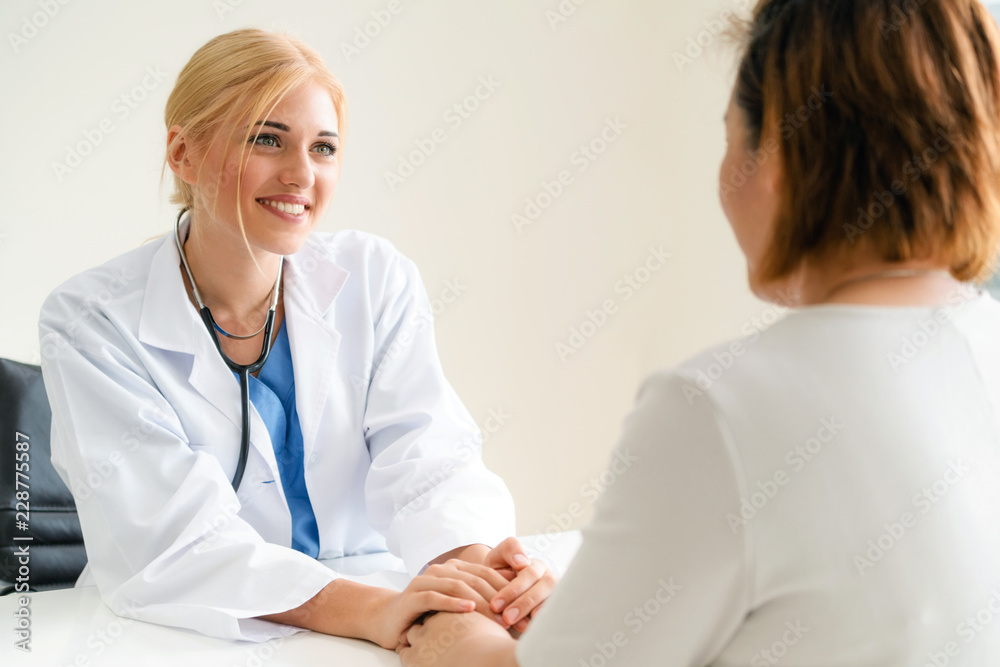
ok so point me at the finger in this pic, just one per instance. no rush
(523, 606)
(508, 553)
(460, 592)
(418, 602)
(523, 624)
(461, 584)
(524, 580)
(495, 578)
(407, 656)
(527, 603)
(413, 634)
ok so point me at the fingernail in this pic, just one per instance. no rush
(520, 559)
(510, 615)
(497, 605)
(499, 619)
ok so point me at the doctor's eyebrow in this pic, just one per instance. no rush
(285, 128)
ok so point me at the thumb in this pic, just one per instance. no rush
(508, 553)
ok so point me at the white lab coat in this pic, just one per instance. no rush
(146, 433)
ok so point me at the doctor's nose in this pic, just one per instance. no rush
(297, 170)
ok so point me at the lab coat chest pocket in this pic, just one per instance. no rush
(261, 501)
(217, 437)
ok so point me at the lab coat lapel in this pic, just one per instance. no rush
(170, 321)
(312, 281)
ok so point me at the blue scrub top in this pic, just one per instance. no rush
(273, 394)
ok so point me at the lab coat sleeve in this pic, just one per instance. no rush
(164, 541)
(427, 488)
(661, 577)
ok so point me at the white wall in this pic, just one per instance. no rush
(655, 185)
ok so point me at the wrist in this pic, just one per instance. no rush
(373, 613)
(475, 553)
(475, 640)
(470, 553)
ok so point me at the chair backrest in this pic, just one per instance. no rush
(34, 502)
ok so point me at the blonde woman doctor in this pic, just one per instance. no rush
(357, 442)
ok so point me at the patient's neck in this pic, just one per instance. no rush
(914, 283)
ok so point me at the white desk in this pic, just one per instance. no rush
(73, 627)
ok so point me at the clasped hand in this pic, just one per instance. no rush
(507, 588)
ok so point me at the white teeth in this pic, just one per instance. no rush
(294, 209)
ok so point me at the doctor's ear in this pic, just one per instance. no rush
(180, 155)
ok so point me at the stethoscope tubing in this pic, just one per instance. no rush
(244, 370)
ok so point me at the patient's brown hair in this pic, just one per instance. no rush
(885, 115)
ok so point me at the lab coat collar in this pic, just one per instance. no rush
(311, 281)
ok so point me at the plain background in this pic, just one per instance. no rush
(564, 70)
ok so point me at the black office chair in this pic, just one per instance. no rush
(56, 552)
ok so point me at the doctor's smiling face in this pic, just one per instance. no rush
(290, 173)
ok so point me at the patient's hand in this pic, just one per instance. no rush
(457, 640)
(532, 583)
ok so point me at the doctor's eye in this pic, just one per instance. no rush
(332, 150)
(265, 137)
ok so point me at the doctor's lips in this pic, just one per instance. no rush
(289, 204)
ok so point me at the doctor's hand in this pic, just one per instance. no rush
(453, 586)
(531, 584)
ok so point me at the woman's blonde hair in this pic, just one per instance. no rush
(237, 79)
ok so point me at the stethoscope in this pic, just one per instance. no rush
(244, 371)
